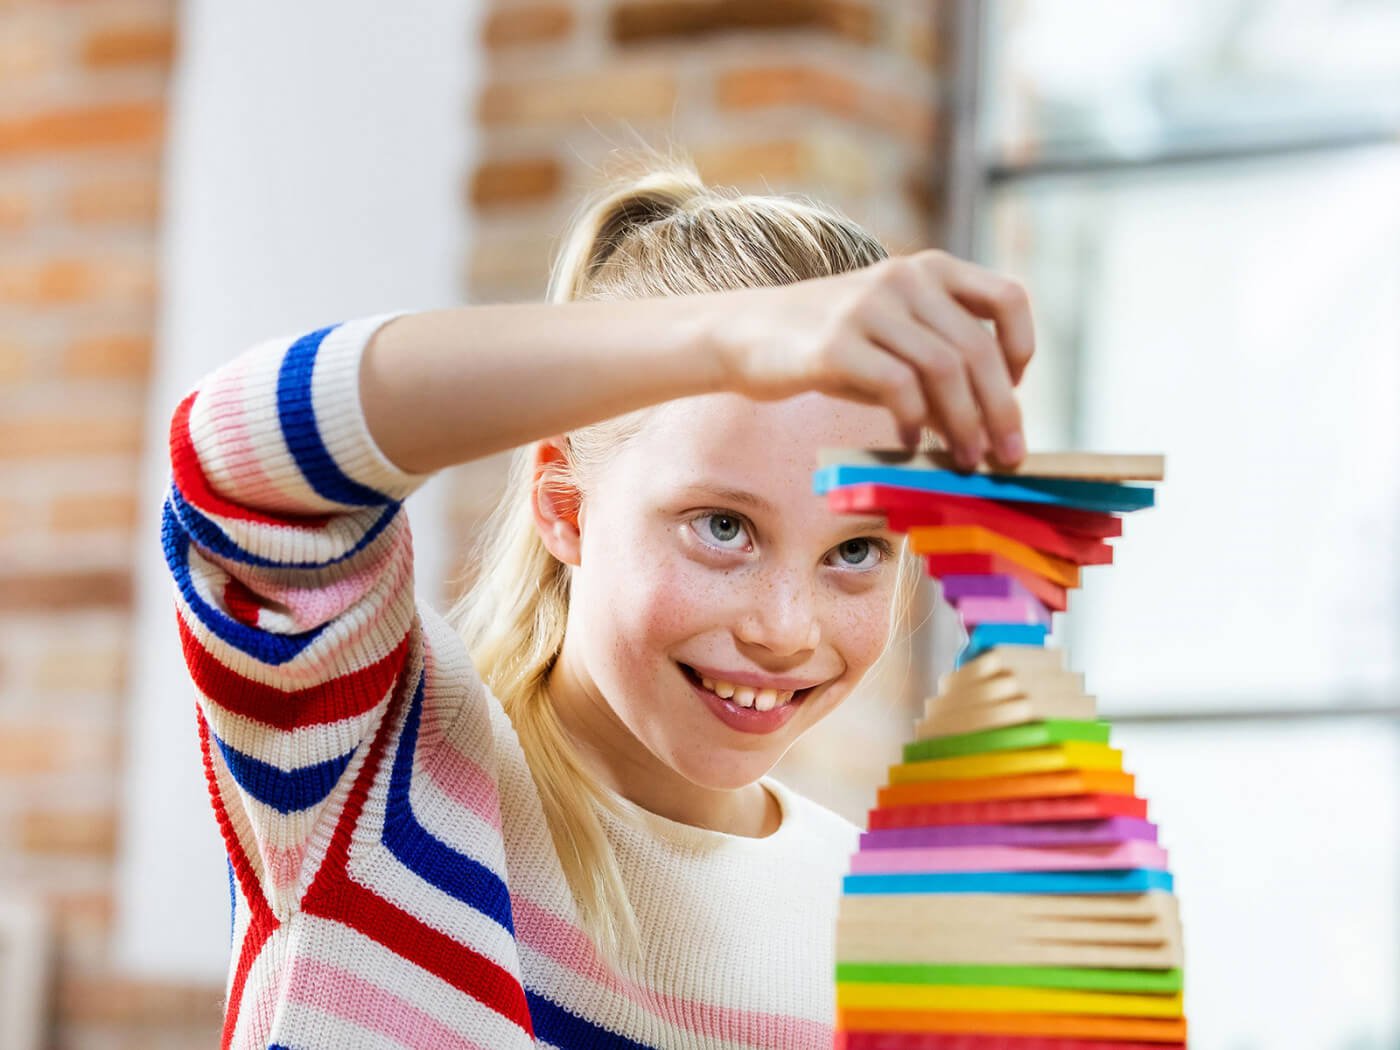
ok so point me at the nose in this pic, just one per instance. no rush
(783, 616)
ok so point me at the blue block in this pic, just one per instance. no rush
(1104, 496)
(1126, 880)
(988, 635)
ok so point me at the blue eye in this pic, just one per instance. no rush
(723, 529)
(854, 552)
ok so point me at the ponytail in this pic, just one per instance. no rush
(661, 233)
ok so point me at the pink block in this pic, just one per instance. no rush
(1009, 858)
(1020, 609)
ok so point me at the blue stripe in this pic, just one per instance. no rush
(210, 536)
(297, 415)
(1103, 496)
(285, 791)
(451, 871)
(557, 1027)
(266, 648)
(1127, 880)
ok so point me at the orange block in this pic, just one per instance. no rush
(1071, 1026)
(974, 539)
(1027, 785)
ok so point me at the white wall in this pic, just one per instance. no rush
(313, 173)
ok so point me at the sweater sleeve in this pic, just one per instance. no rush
(290, 553)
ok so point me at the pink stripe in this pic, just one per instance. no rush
(465, 783)
(284, 864)
(226, 403)
(351, 998)
(1010, 858)
(565, 944)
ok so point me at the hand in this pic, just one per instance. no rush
(905, 333)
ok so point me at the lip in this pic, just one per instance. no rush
(744, 719)
(755, 681)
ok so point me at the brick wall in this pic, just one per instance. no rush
(82, 113)
(838, 99)
(832, 97)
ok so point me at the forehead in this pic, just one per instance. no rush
(769, 448)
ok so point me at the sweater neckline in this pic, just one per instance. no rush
(690, 836)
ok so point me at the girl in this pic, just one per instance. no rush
(567, 837)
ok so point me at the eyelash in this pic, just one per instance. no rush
(884, 546)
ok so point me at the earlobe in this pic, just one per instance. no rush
(555, 502)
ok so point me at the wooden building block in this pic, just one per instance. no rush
(1104, 497)
(1086, 978)
(1165, 1031)
(1134, 880)
(974, 611)
(859, 995)
(971, 539)
(1054, 595)
(943, 719)
(1067, 833)
(1067, 522)
(1011, 811)
(863, 1040)
(986, 789)
(1015, 738)
(1009, 858)
(1083, 466)
(905, 508)
(1051, 758)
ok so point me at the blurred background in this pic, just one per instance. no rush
(1203, 199)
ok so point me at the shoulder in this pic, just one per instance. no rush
(814, 823)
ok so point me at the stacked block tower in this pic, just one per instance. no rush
(1010, 893)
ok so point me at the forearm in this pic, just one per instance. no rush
(447, 386)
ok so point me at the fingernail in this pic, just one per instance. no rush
(1012, 448)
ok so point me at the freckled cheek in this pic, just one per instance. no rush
(665, 602)
(859, 627)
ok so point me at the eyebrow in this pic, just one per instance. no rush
(744, 498)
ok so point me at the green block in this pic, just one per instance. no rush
(1163, 982)
(1012, 738)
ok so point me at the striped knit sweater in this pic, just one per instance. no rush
(392, 878)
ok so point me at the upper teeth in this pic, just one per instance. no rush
(747, 696)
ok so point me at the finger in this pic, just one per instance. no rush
(942, 372)
(872, 376)
(986, 366)
(996, 297)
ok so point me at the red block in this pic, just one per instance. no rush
(1009, 811)
(906, 508)
(868, 497)
(954, 1041)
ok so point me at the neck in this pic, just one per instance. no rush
(621, 763)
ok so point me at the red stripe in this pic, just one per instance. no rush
(464, 968)
(263, 922)
(334, 895)
(194, 485)
(345, 696)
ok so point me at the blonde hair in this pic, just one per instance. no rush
(660, 233)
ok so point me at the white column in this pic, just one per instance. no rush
(313, 173)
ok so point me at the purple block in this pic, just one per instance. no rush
(991, 585)
(1054, 833)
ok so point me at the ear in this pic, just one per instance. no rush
(555, 502)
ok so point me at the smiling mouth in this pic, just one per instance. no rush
(736, 699)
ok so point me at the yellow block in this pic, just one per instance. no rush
(957, 539)
(1071, 754)
(864, 995)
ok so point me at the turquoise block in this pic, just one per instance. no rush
(1104, 496)
(988, 635)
